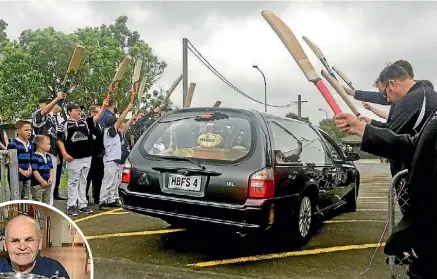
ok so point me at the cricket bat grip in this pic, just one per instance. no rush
(328, 96)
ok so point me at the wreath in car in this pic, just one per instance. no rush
(209, 140)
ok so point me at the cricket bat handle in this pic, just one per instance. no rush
(328, 96)
(333, 75)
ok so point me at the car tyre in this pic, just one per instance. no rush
(351, 200)
(302, 222)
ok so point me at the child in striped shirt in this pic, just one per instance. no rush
(43, 172)
(25, 149)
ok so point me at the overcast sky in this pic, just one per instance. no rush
(357, 37)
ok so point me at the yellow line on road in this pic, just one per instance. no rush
(117, 213)
(100, 236)
(97, 215)
(354, 221)
(286, 254)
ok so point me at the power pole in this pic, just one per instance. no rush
(184, 70)
(299, 106)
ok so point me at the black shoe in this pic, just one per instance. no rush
(72, 211)
(59, 198)
(116, 203)
(86, 210)
(104, 206)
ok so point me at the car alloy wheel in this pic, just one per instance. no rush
(305, 216)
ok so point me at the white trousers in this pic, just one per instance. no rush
(77, 173)
(52, 187)
(111, 181)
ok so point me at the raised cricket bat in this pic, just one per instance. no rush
(289, 39)
(343, 77)
(217, 104)
(170, 91)
(340, 92)
(318, 52)
(136, 79)
(118, 76)
(140, 92)
(189, 97)
(73, 67)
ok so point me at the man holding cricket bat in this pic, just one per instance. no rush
(45, 123)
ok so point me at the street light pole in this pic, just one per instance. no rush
(325, 112)
(265, 87)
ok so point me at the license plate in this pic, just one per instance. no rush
(186, 183)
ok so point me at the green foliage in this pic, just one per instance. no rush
(36, 64)
(328, 125)
(295, 116)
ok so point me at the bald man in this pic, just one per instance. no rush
(23, 241)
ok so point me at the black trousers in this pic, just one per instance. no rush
(95, 176)
(58, 176)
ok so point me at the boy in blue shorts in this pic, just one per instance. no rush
(43, 172)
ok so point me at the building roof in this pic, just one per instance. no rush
(352, 139)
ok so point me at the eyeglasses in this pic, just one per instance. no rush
(384, 92)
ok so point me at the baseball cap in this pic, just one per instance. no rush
(45, 99)
(74, 106)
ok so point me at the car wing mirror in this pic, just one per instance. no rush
(352, 156)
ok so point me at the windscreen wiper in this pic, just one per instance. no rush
(174, 158)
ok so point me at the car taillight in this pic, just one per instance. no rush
(127, 169)
(262, 184)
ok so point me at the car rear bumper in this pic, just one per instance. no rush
(253, 215)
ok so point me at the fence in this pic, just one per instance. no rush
(398, 198)
(9, 186)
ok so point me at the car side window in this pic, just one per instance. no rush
(286, 146)
(311, 150)
(336, 153)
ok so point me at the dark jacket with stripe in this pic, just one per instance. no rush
(409, 114)
(23, 155)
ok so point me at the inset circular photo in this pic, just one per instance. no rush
(39, 241)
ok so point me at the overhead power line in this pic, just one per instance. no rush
(221, 77)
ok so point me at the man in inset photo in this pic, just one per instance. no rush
(23, 241)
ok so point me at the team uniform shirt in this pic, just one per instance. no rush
(141, 125)
(112, 142)
(76, 137)
(24, 153)
(42, 163)
(46, 125)
(44, 267)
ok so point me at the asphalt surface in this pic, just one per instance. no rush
(127, 245)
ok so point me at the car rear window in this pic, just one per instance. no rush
(215, 136)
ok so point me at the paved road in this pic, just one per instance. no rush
(126, 245)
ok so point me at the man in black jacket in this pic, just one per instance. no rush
(415, 234)
(415, 102)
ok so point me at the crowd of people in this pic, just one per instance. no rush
(409, 141)
(93, 146)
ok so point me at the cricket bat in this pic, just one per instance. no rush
(217, 104)
(73, 67)
(141, 92)
(189, 97)
(136, 79)
(289, 40)
(170, 91)
(318, 52)
(118, 76)
(343, 77)
(341, 92)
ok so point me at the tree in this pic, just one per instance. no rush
(3, 25)
(41, 57)
(156, 98)
(328, 125)
(295, 116)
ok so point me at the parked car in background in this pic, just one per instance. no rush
(238, 169)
